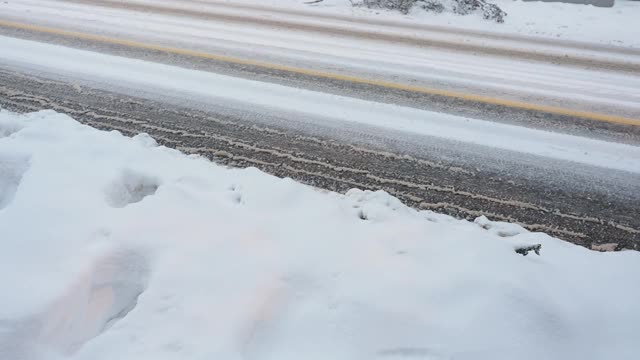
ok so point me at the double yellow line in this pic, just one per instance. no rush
(327, 75)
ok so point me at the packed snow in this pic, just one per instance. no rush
(576, 22)
(117, 248)
(149, 79)
(350, 43)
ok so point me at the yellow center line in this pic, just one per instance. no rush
(328, 75)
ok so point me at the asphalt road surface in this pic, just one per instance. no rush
(580, 202)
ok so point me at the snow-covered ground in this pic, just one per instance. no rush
(116, 248)
(612, 26)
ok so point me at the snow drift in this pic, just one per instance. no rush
(116, 248)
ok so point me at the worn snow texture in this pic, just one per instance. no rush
(461, 7)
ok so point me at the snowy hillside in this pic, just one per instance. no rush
(116, 248)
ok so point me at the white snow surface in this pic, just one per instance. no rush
(153, 79)
(367, 55)
(116, 248)
(585, 23)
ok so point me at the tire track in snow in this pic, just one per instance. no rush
(588, 219)
(345, 31)
(497, 109)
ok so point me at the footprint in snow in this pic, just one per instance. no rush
(90, 306)
(130, 187)
(7, 128)
(12, 169)
(236, 194)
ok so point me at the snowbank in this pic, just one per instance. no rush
(116, 248)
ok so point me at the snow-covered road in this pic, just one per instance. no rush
(114, 247)
(229, 91)
(552, 124)
(488, 64)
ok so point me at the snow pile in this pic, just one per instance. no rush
(116, 248)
